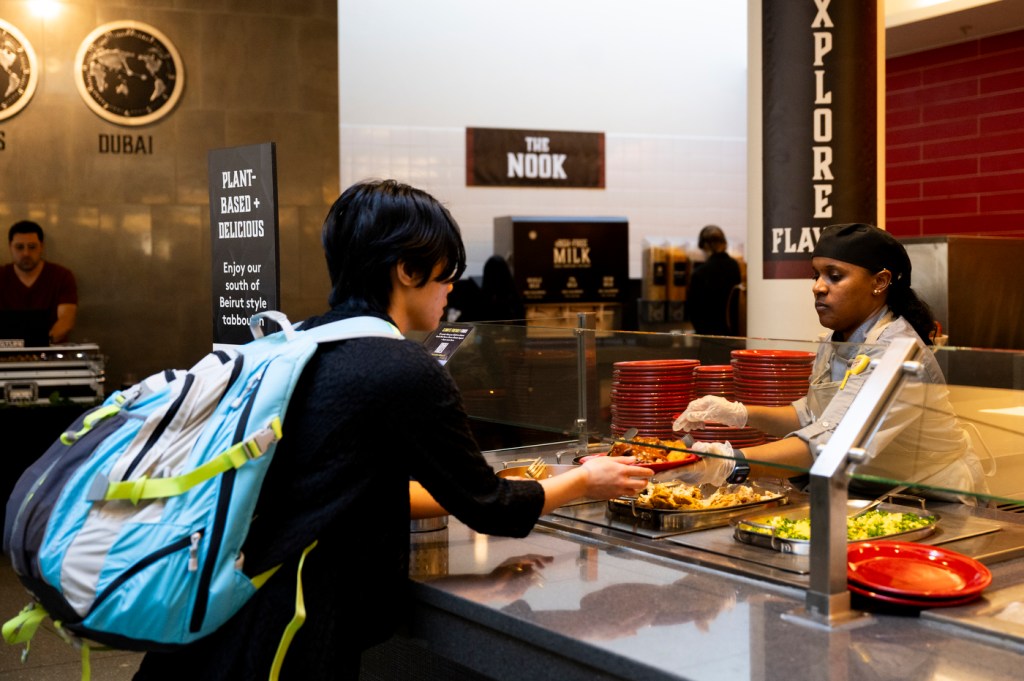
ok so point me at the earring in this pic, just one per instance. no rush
(877, 291)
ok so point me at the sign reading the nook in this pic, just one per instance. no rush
(243, 227)
(534, 158)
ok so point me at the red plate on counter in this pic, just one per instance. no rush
(913, 602)
(915, 571)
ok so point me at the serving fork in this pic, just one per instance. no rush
(537, 469)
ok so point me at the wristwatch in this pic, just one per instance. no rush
(741, 471)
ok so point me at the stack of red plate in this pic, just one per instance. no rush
(737, 437)
(714, 379)
(771, 378)
(917, 575)
(717, 379)
(649, 394)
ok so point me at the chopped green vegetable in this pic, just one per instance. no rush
(872, 525)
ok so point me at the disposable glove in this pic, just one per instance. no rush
(711, 409)
(709, 469)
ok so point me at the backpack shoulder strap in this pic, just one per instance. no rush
(354, 327)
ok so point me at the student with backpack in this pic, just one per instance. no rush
(367, 415)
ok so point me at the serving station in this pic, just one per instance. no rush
(613, 590)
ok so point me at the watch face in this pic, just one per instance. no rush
(18, 72)
(129, 73)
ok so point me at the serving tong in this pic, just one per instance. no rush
(895, 491)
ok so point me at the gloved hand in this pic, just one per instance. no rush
(711, 409)
(710, 469)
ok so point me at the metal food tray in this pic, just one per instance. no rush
(684, 520)
(746, 528)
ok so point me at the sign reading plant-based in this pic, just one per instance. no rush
(243, 227)
(565, 259)
(497, 157)
(819, 118)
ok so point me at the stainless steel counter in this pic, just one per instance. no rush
(604, 602)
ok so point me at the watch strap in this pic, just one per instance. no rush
(741, 469)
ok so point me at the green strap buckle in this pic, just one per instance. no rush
(90, 421)
(144, 487)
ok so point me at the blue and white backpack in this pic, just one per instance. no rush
(128, 530)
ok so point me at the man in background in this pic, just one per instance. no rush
(32, 283)
(711, 286)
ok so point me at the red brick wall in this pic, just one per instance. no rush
(955, 139)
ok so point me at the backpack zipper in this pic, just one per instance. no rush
(216, 535)
(189, 541)
(168, 416)
(175, 407)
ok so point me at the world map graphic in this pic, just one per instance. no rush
(17, 71)
(129, 75)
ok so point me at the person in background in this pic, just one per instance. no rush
(862, 293)
(31, 283)
(368, 416)
(499, 297)
(711, 286)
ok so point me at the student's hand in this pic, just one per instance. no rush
(614, 476)
(711, 409)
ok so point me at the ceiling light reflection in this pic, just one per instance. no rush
(44, 9)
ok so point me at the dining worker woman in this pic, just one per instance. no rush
(862, 293)
(368, 415)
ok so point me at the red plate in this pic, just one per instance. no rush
(713, 369)
(767, 401)
(915, 570)
(637, 376)
(774, 355)
(659, 466)
(914, 602)
(759, 375)
(648, 364)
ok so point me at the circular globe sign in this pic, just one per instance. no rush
(129, 73)
(18, 72)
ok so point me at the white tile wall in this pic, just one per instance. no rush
(667, 186)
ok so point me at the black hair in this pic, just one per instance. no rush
(25, 227)
(711, 237)
(904, 302)
(372, 227)
(875, 250)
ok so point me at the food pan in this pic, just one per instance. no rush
(685, 520)
(550, 470)
(754, 528)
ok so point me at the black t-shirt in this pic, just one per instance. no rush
(707, 300)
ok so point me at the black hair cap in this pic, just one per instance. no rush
(867, 246)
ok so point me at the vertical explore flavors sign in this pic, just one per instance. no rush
(534, 158)
(819, 116)
(243, 226)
